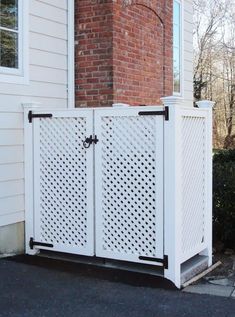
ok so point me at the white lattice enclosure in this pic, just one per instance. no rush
(129, 184)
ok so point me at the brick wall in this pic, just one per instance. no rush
(123, 51)
(93, 55)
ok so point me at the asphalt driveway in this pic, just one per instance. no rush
(31, 287)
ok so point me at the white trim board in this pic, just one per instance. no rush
(71, 59)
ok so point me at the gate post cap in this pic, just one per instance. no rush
(32, 105)
(208, 104)
(172, 101)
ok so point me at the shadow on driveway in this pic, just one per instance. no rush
(38, 287)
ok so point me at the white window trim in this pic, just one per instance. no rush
(181, 93)
(21, 74)
(71, 56)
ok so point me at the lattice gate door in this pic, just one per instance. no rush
(63, 182)
(129, 184)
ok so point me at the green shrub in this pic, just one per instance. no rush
(224, 197)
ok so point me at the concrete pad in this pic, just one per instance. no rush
(233, 294)
(210, 289)
(222, 281)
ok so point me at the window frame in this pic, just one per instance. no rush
(19, 75)
(181, 48)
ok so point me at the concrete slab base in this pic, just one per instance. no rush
(210, 289)
(192, 267)
(12, 239)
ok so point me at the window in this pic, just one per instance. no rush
(9, 34)
(13, 51)
(177, 69)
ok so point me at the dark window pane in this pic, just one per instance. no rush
(176, 85)
(9, 14)
(8, 49)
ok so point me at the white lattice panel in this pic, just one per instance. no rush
(63, 182)
(129, 185)
(193, 134)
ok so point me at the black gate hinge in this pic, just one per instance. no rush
(164, 261)
(32, 243)
(164, 113)
(89, 141)
(31, 115)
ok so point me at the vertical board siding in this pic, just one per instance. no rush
(48, 71)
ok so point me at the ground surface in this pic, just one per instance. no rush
(44, 288)
(220, 281)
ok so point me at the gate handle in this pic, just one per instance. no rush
(88, 141)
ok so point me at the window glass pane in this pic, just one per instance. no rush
(176, 58)
(176, 37)
(176, 13)
(9, 14)
(8, 49)
(176, 82)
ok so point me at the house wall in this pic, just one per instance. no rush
(142, 51)
(93, 54)
(47, 85)
(124, 52)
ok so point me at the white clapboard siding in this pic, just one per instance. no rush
(11, 154)
(188, 52)
(38, 89)
(51, 60)
(47, 27)
(11, 137)
(15, 103)
(47, 87)
(11, 218)
(46, 11)
(11, 188)
(11, 204)
(48, 43)
(56, 3)
(11, 120)
(56, 76)
(11, 171)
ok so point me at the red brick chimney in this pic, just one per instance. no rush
(123, 51)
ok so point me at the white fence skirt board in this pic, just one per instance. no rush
(63, 182)
(129, 184)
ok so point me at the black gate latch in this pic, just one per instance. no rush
(88, 141)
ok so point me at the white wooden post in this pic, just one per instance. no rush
(28, 168)
(207, 104)
(172, 193)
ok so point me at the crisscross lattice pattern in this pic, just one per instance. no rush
(193, 134)
(129, 185)
(63, 214)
